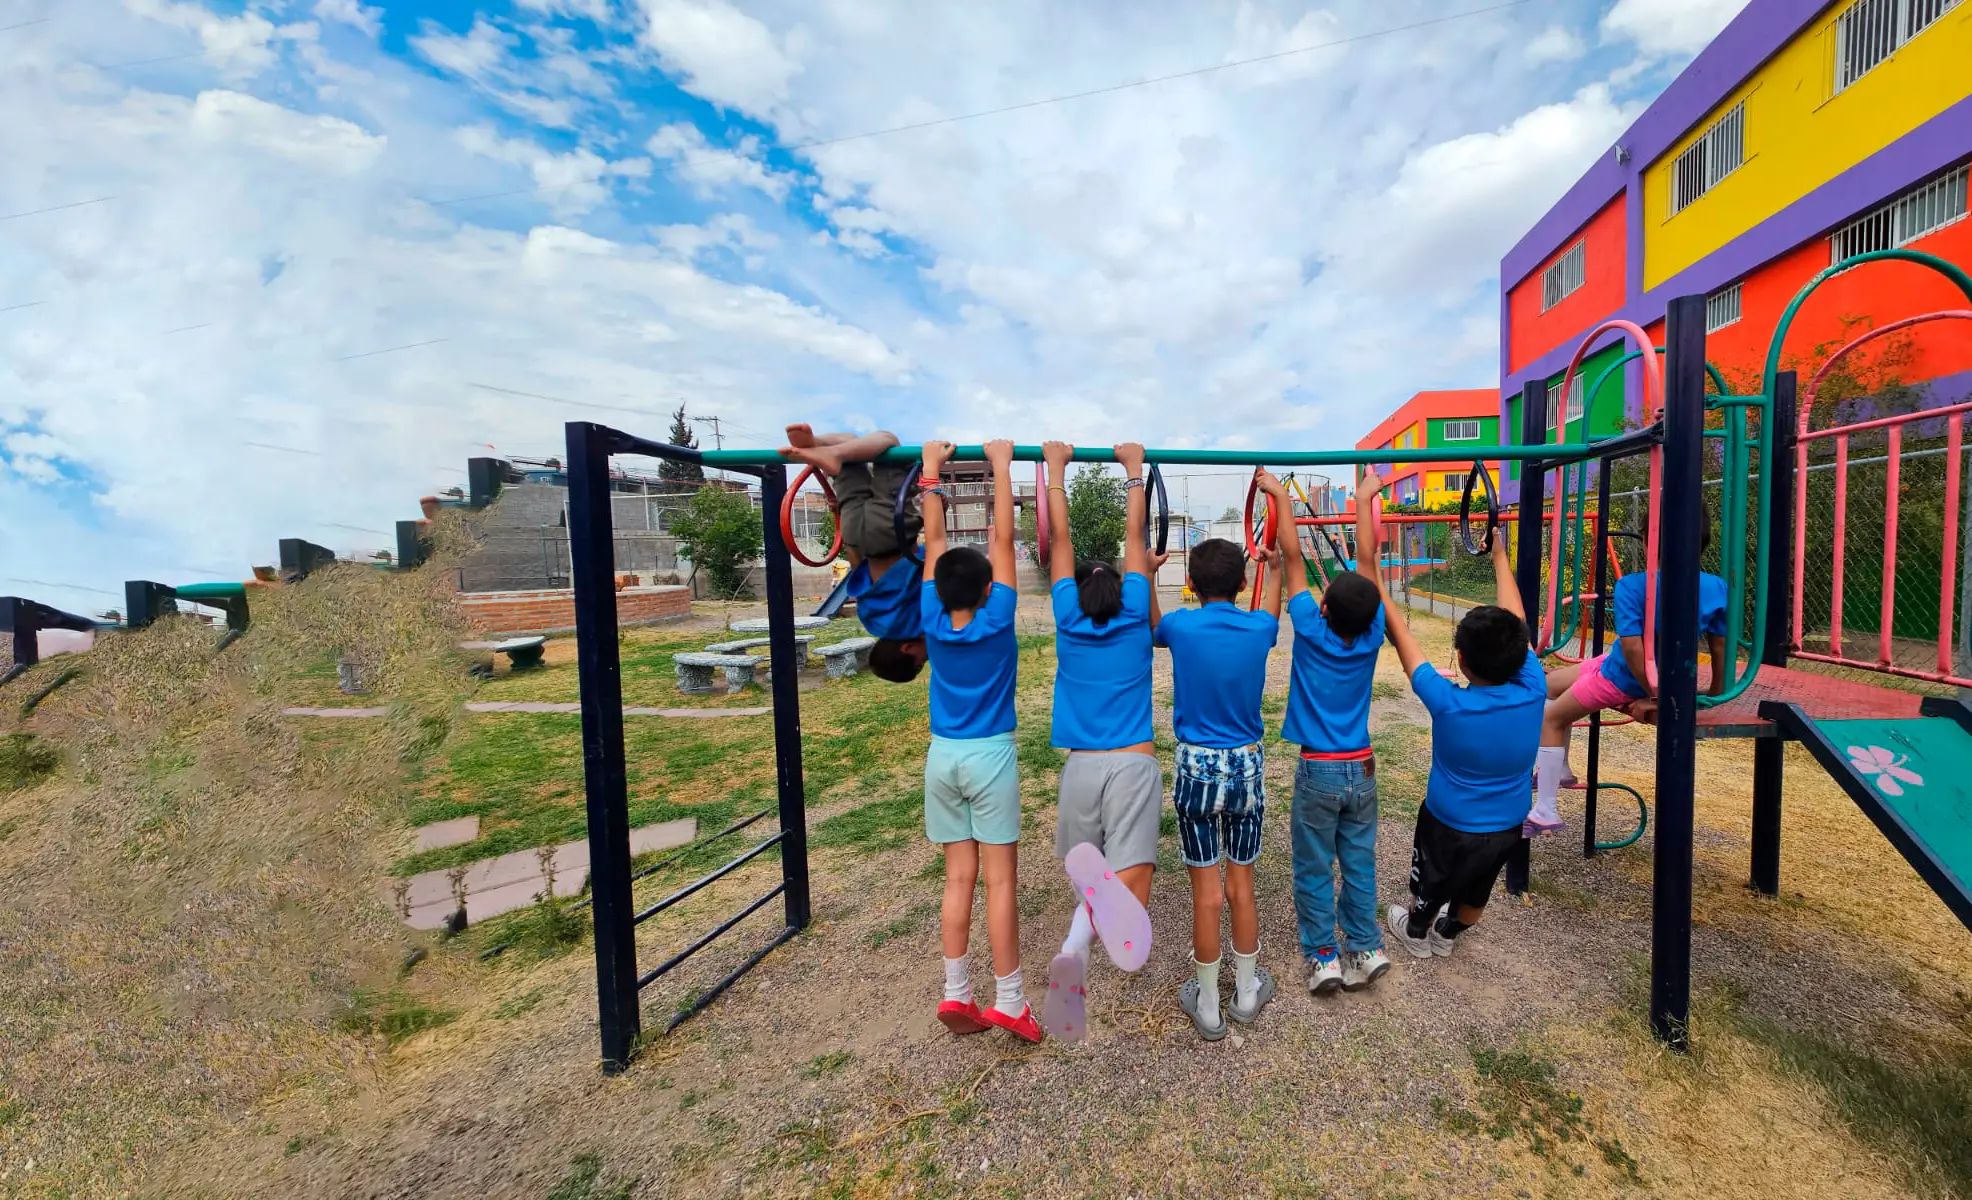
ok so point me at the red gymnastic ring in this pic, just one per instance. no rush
(787, 520)
(1255, 549)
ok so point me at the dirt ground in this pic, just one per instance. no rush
(1519, 1067)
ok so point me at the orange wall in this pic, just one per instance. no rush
(1882, 292)
(1532, 332)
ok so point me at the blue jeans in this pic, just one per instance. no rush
(1335, 821)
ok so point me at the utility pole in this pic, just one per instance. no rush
(718, 438)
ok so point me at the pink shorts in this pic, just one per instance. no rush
(1593, 690)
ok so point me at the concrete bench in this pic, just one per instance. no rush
(803, 643)
(738, 647)
(695, 671)
(523, 652)
(847, 658)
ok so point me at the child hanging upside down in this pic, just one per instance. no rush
(885, 569)
(1615, 680)
(1483, 740)
(1111, 786)
(972, 773)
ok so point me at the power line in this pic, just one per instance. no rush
(24, 24)
(487, 387)
(18, 307)
(389, 350)
(35, 212)
(67, 587)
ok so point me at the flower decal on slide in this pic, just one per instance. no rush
(1885, 767)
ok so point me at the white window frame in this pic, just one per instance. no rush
(1565, 275)
(1717, 153)
(1869, 33)
(1917, 213)
(1454, 481)
(1554, 407)
(1461, 426)
(1723, 307)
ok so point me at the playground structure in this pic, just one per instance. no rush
(1760, 698)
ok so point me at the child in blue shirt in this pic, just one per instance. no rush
(1483, 740)
(1219, 657)
(1107, 812)
(972, 773)
(885, 571)
(1615, 680)
(1336, 647)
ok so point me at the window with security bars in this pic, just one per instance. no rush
(1722, 308)
(1717, 153)
(1554, 405)
(1922, 210)
(1461, 431)
(1870, 31)
(1565, 276)
(1453, 482)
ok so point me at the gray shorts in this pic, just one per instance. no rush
(1112, 801)
(866, 504)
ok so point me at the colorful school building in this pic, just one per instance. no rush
(1435, 420)
(1805, 133)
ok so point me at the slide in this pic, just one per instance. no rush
(832, 607)
(1913, 777)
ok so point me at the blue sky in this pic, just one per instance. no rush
(304, 239)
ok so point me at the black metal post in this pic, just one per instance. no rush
(26, 628)
(1527, 566)
(1599, 545)
(410, 545)
(1769, 753)
(787, 703)
(593, 565)
(1681, 510)
(145, 601)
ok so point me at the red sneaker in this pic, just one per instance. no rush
(961, 1017)
(1023, 1026)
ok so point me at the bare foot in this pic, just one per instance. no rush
(826, 459)
(801, 436)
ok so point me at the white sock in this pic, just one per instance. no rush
(1548, 766)
(1010, 996)
(1208, 990)
(1246, 978)
(1081, 932)
(958, 980)
(1568, 749)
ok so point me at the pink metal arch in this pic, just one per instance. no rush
(1653, 396)
(1803, 437)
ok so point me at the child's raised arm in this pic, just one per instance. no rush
(1284, 562)
(1061, 550)
(1136, 558)
(1503, 581)
(936, 455)
(1369, 557)
(999, 454)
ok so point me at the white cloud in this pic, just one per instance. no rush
(536, 89)
(239, 47)
(724, 55)
(1556, 43)
(353, 13)
(328, 142)
(727, 231)
(598, 11)
(1669, 28)
(711, 168)
(571, 184)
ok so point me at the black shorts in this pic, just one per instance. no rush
(1450, 866)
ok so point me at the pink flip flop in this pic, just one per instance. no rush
(1064, 1014)
(1120, 920)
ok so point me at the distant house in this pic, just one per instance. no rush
(1435, 420)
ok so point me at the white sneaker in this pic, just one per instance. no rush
(1324, 976)
(1360, 968)
(1399, 923)
(1440, 945)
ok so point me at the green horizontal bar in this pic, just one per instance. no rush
(210, 591)
(1209, 458)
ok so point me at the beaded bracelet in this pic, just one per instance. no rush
(1132, 483)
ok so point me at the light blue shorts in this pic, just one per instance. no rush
(972, 790)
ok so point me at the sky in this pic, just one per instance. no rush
(276, 268)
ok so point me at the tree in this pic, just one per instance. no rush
(1232, 514)
(1096, 513)
(683, 474)
(720, 532)
(1027, 532)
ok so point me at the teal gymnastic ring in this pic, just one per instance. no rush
(1642, 817)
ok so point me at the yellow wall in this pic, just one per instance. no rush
(1429, 493)
(1798, 137)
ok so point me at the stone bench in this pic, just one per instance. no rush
(803, 643)
(695, 671)
(847, 658)
(524, 653)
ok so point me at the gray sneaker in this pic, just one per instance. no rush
(1399, 923)
(1360, 968)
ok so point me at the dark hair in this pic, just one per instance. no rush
(1099, 589)
(1494, 643)
(890, 661)
(963, 576)
(1218, 569)
(1350, 603)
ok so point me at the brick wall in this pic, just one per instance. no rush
(553, 610)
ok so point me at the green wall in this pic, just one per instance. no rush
(1434, 432)
(1605, 417)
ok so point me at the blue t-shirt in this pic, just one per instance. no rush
(1483, 742)
(972, 669)
(1328, 700)
(1712, 600)
(1218, 670)
(888, 607)
(1102, 672)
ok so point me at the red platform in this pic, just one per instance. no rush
(1822, 697)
